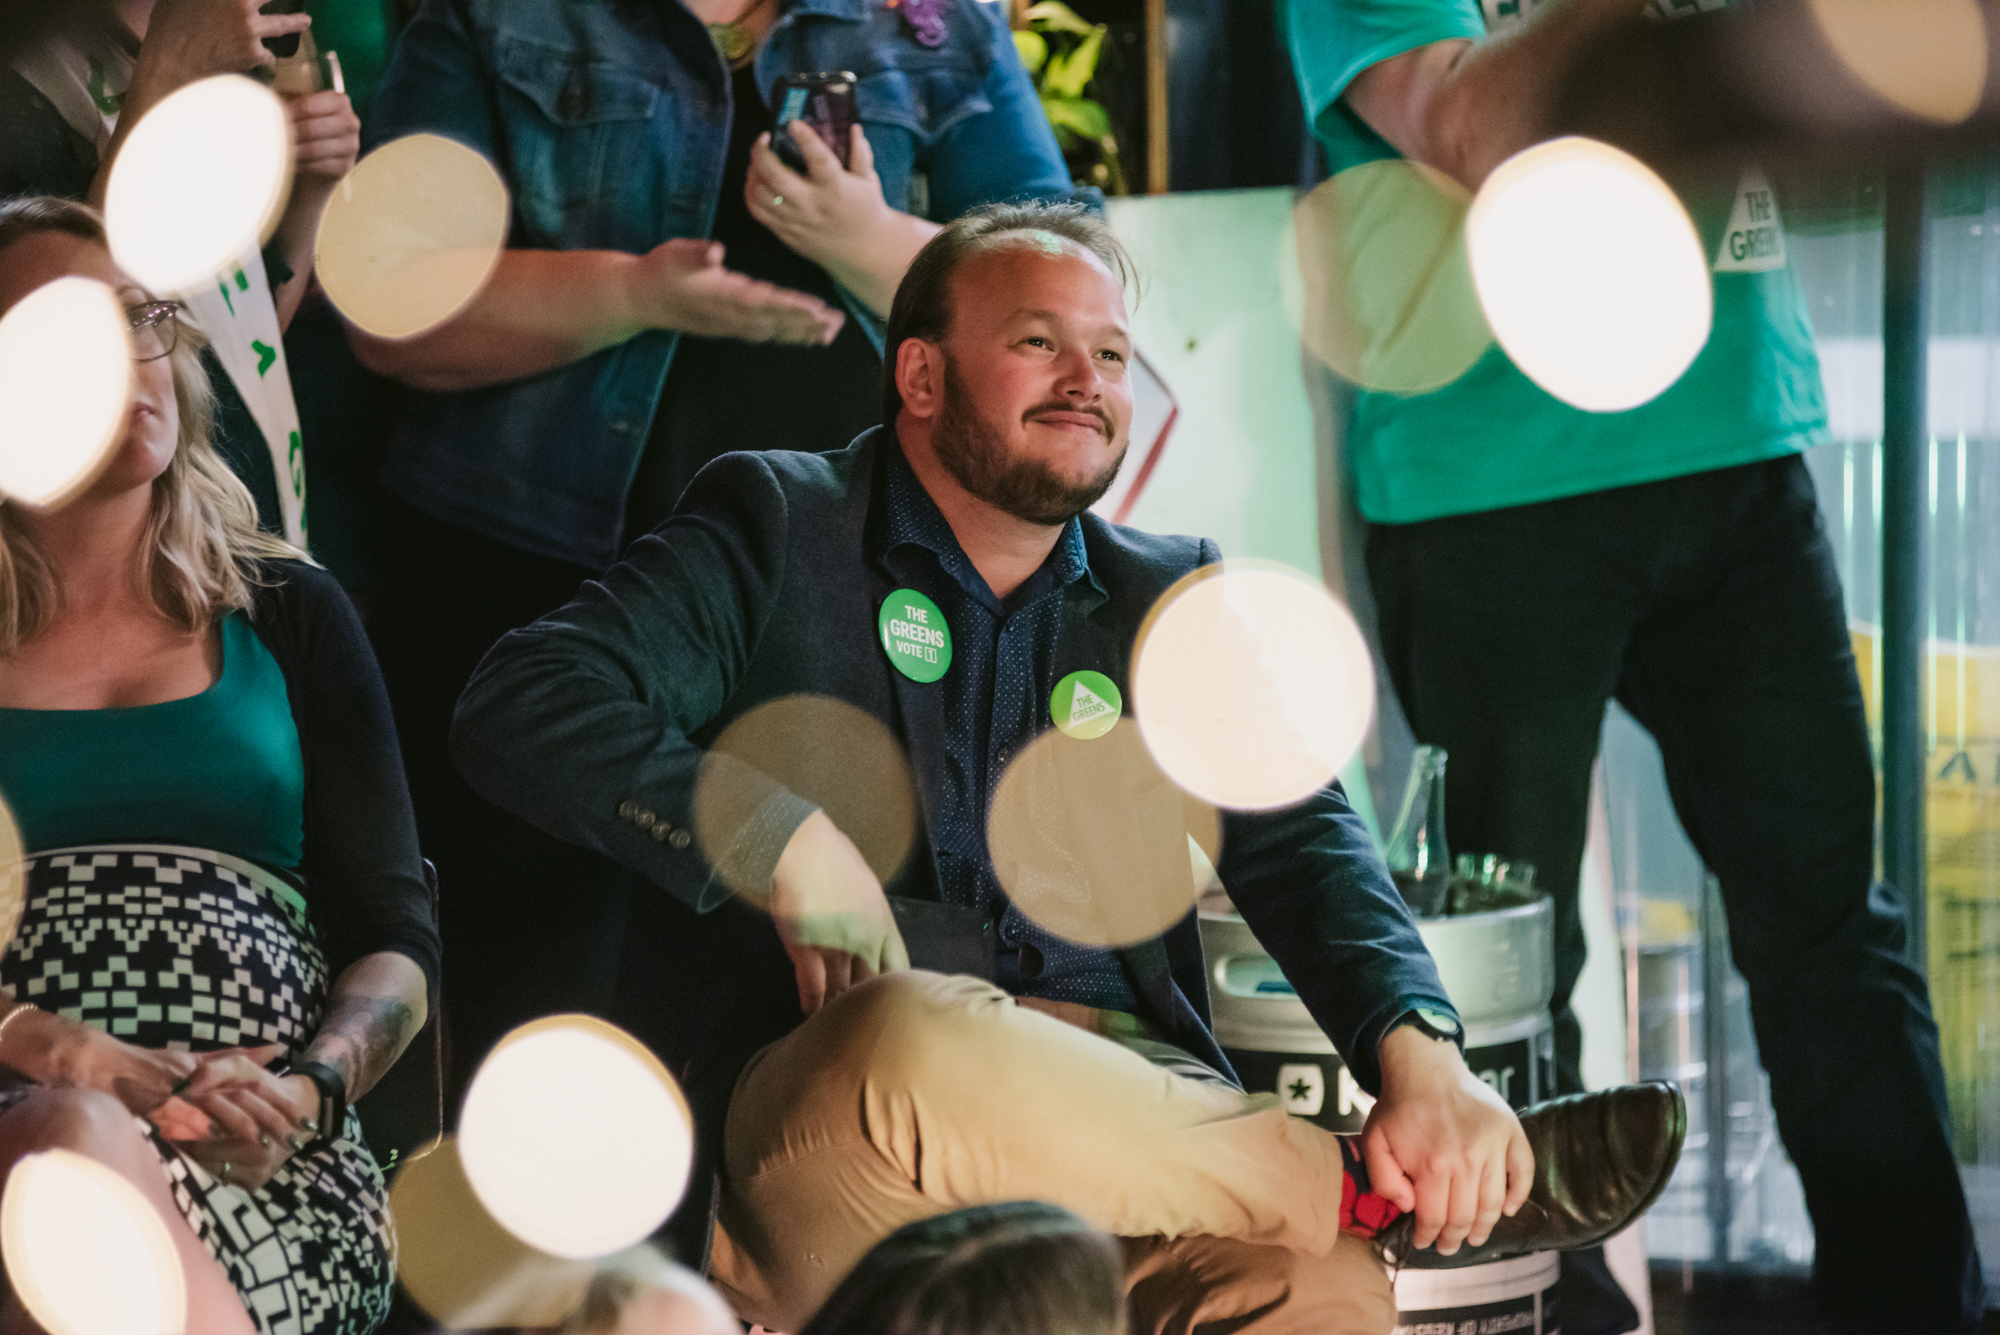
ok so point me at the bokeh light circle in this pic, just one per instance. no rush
(66, 384)
(88, 1255)
(1926, 58)
(412, 235)
(838, 757)
(461, 1266)
(1590, 273)
(1089, 838)
(1252, 685)
(201, 179)
(575, 1138)
(1389, 300)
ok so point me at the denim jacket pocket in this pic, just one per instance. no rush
(577, 131)
(925, 101)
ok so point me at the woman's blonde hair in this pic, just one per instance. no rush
(203, 550)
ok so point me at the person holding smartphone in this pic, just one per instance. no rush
(670, 292)
(72, 87)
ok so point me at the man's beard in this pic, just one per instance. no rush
(1026, 488)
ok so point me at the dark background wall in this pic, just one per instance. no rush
(1234, 120)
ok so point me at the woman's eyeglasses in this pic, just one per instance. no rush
(156, 328)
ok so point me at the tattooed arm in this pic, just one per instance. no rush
(246, 1121)
(377, 1007)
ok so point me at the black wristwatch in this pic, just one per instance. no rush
(332, 1096)
(1441, 1025)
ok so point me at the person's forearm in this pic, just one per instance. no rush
(378, 1005)
(298, 231)
(1465, 107)
(33, 1042)
(540, 310)
(873, 269)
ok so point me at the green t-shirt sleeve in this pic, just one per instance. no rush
(1332, 41)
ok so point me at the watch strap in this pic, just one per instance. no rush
(1432, 1022)
(332, 1096)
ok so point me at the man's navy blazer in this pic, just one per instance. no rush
(765, 584)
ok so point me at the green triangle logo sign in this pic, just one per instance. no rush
(1085, 705)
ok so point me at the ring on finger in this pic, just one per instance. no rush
(777, 201)
(224, 1174)
(296, 1141)
(264, 1142)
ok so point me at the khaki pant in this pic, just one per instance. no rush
(916, 1094)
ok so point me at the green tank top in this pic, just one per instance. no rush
(221, 770)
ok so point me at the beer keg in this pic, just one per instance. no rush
(1499, 971)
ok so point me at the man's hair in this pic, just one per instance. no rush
(922, 308)
(1016, 1268)
(203, 549)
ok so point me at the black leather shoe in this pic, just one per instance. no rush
(1601, 1160)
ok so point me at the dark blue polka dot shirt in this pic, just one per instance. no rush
(995, 701)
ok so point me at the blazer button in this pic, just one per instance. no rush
(627, 809)
(679, 839)
(661, 833)
(644, 820)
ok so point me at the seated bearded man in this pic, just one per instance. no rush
(841, 1094)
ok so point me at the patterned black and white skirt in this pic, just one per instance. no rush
(169, 947)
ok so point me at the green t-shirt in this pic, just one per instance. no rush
(1493, 438)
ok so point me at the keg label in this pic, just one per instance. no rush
(1085, 705)
(1302, 1088)
(914, 635)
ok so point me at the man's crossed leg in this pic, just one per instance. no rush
(916, 1093)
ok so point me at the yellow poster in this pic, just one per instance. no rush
(1962, 819)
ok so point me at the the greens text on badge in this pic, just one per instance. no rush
(914, 635)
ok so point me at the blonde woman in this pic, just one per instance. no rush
(227, 937)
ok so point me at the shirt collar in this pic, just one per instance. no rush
(915, 519)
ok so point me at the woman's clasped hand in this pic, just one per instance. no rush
(225, 1109)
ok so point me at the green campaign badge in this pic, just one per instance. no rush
(1085, 705)
(914, 635)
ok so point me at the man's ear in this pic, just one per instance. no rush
(920, 377)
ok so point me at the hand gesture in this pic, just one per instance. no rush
(187, 40)
(681, 284)
(830, 212)
(326, 135)
(1441, 1143)
(831, 914)
(247, 1121)
(143, 1079)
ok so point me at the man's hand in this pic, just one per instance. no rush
(681, 284)
(831, 914)
(1440, 1143)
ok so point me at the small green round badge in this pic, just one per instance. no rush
(1085, 705)
(914, 635)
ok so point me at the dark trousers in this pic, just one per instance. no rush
(531, 925)
(1709, 606)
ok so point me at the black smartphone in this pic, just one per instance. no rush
(824, 101)
(284, 48)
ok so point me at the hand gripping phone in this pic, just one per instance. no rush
(824, 101)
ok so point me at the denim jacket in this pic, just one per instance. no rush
(609, 120)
